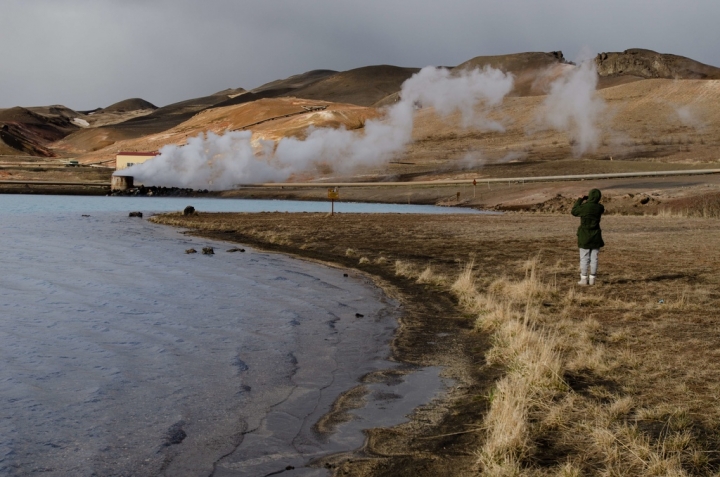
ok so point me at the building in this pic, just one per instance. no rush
(123, 160)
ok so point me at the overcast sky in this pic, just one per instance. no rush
(91, 53)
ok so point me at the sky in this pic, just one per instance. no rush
(87, 54)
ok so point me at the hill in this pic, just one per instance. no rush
(171, 115)
(60, 130)
(361, 86)
(646, 122)
(113, 126)
(30, 131)
(270, 118)
(533, 71)
(132, 104)
(294, 82)
(651, 64)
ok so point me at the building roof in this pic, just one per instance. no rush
(138, 153)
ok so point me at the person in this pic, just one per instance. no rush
(589, 235)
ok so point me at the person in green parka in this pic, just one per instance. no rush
(589, 235)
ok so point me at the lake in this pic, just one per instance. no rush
(122, 355)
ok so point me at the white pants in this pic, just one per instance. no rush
(588, 256)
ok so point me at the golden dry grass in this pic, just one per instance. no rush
(533, 404)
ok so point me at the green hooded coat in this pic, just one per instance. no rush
(589, 234)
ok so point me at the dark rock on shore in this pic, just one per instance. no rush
(191, 250)
(135, 214)
(208, 251)
(189, 210)
(175, 434)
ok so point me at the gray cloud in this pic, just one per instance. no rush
(91, 53)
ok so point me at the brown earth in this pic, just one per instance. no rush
(655, 304)
(272, 119)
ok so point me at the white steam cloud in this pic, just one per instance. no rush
(219, 162)
(573, 105)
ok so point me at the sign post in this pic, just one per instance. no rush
(333, 195)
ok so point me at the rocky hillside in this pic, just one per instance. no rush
(651, 64)
(30, 131)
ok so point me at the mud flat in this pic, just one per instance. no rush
(630, 377)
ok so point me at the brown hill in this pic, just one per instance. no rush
(651, 64)
(294, 82)
(271, 118)
(533, 71)
(29, 132)
(283, 87)
(515, 63)
(362, 86)
(132, 104)
(169, 116)
(646, 122)
(115, 126)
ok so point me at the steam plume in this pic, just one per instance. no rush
(572, 105)
(217, 162)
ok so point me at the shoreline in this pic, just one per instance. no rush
(611, 371)
(432, 439)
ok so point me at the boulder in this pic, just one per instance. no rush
(208, 251)
(191, 250)
(189, 210)
(135, 214)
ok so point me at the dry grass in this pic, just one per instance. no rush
(533, 404)
(404, 269)
(703, 205)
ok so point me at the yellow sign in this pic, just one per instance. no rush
(333, 194)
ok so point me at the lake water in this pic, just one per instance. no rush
(49, 204)
(123, 356)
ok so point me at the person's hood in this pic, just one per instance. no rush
(594, 196)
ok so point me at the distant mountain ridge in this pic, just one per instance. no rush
(56, 129)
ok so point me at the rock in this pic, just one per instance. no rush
(236, 250)
(175, 434)
(208, 251)
(359, 315)
(189, 210)
(191, 250)
(345, 275)
(644, 200)
(85, 215)
(135, 214)
(651, 64)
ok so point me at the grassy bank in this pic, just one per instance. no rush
(552, 378)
